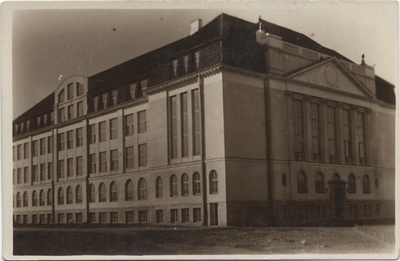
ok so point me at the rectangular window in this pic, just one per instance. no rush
(34, 219)
(347, 137)
(92, 162)
(92, 133)
(159, 216)
(42, 218)
(50, 144)
(70, 112)
(114, 159)
(103, 161)
(35, 173)
(102, 131)
(79, 137)
(114, 217)
(50, 170)
(113, 129)
(185, 125)
(78, 218)
(70, 139)
(92, 217)
(129, 160)
(142, 155)
(35, 148)
(361, 137)
(143, 216)
(19, 152)
(196, 122)
(332, 134)
(70, 167)
(70, 91)
(26, 150)
(129, 124)
(196, 215)
(174, 127)
(174, 215)
(19, 176)
(185, 215)
(299, 130)
(102, 217)
(49, 218)
(129, 216)
(26, 175)
(42, 146)
(79, 109)
(61, 142)
(316, 132)
(79, 166)
(14, 153)
(61, 168)
(61, 115)
(43, 171)
(142, 122)
(79, 89)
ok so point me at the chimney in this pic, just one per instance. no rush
(195, 26)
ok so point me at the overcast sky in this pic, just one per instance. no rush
(50, 43)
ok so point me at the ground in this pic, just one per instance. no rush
(199, 241)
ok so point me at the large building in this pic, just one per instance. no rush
(238, 123)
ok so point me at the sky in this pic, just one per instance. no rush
(49, 45)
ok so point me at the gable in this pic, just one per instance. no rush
(333, 74)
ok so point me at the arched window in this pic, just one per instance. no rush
(366, 185)
(34, 198)
(142, 189)
(185, 184)
(196, 183)
(18, 200)
(159, 187)
(25, 200)
(173, 184)
(302, 182)
(41, 198)
(49, 197)
(351, 184)
(60, 196)
(78, 194)
(113, 192)
(70, 196)
(213, 182)
(319, 183)
(336, 177)
(92, 193)
(129, 190)
(102, 193)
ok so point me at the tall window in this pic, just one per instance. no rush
(299, 130)
(347, 137)
(92, 133)
(70, 196)
(185, 215)
(79, 109)
(102, 193)
(60, 196)
(185, 184)
(26, 150)
(61, 96)
(113, 192)
(79, 166)
(61, 168)
(18, 200)
(79, 137)
(70, 167)
(70, 111)
(174, 127)
(70, 91)
(102, 131)
(361, 138)
(92, 162)
(114, 160)
(79, 89)
(25, 199)
(213, 182)
(70, 140)
(103, 161)
(159, 188)
(129, 124)
(50, 170)
(142, 122)
(35, 173)
(61, 114)
(336, 177)
(19, 175)
(319, 183)
(351, 184)
(316, 131)
(196, 122)
(50, 144)
(173, 186)
(34, 198)
(129, 190)
(302, 183)
(26, 174)
(61, 141)
(366, 185)
(113, 129)
(332, 142)
(42, 147)
(42, 171)
(78, 195)
(196, 183)
(185, 125)
(92, 193)
(19, 152)
(174, 215)
(142, 155)
(35, 148)
(142, 189)
(49, 197)
(129, 160)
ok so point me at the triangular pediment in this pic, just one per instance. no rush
(334, 74)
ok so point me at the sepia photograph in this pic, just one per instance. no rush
(194, 130)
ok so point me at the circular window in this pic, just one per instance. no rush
(284, 180)
(376, 183)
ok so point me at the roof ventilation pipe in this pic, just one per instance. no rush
(195, 26)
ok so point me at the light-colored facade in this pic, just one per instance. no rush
(211, 135)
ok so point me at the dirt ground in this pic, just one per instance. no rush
(204, 241)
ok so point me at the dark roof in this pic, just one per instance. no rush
(45, 106)
(385, 91)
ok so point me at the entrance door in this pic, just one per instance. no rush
(337, 194)
(213, 214)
